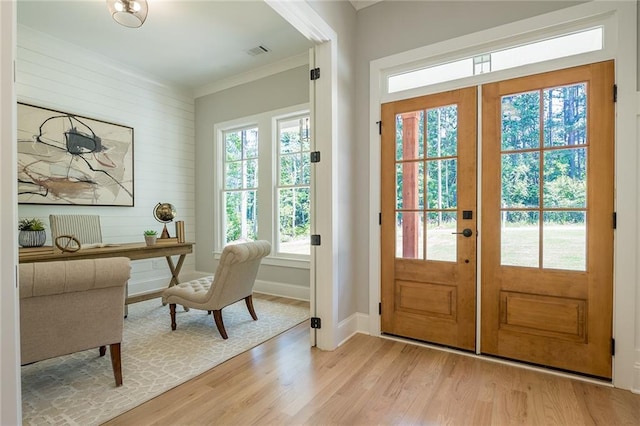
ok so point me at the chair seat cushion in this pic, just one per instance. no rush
(192, 293)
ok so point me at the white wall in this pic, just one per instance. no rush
(270, 93)
(63, 77)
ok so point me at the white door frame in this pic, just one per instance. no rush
(10, 399)
(620, 45)
(324, 261)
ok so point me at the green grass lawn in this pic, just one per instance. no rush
(564, 246)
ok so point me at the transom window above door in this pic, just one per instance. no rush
(534, 51)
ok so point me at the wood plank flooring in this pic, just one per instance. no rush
(371, 380)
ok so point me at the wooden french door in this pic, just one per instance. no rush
(428, 224)
(547, 219)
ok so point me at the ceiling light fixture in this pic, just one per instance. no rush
(130, 13)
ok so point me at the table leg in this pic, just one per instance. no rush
(175, 271)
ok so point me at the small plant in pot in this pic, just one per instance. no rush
(150, 237)
(32, 233)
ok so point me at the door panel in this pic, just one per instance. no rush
(428, 180)
(547, 234)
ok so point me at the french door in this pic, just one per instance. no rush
(547, 167)
(428, 218)
(547, 242)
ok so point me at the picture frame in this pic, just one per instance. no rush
(66, 158)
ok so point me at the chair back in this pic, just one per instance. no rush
(86, 228)
(236, 272)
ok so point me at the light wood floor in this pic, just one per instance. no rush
(371, 381)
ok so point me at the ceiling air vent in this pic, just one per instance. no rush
(258, 50)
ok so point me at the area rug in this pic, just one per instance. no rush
(79, 389)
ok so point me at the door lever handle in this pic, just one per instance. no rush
(465, 232)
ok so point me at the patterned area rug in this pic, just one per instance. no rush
(79, 389)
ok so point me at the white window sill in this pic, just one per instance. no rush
(286, 262)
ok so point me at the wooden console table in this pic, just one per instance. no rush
(134, 251)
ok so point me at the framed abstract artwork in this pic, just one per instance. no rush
(65, 158)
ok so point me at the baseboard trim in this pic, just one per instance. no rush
(356, 323)
(289, 291)
(635, 388)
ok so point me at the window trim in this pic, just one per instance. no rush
(266, 192)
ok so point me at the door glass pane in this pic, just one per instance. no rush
(410, 135)
(442, 132)
(442, 184)
(565, 178)
(521, 180)
(520, 238)
(410, 185)
(441, 243)
(410, 235)
(565, 115)
(565, 240)
(521, 121)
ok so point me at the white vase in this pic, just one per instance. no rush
(150, 239)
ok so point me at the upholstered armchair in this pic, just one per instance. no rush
(71, 306)
(233, 281)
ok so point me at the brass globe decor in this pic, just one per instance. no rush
(164, 213)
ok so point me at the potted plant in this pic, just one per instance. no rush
(32, 233)
(150, 237)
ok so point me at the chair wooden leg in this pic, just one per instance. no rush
(114, 348)
(103, 350)
(217, 317)
(172, 310)
(249, 301)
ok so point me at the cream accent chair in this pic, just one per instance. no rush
(233, 281)
(71, 306)
(86, 228)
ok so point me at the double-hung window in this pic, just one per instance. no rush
(265, 181)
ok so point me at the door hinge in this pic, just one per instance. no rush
(314, 156)
(315, 322)
(615, 220)
(615, 93)
(379, 123)
(314, 74)
(613, 347)
(315, 240)
(379, 308)
(379, 218)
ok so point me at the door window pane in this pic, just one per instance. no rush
(521, 121)
(410, 185)
(520, 239)
(521, 180)
(565, 178)
(410, 135)
(565, 115)
(442, 132)
(410, 235)
(441, 243)
(565, 240)
(442, 184)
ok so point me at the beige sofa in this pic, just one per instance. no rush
(72, 306)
